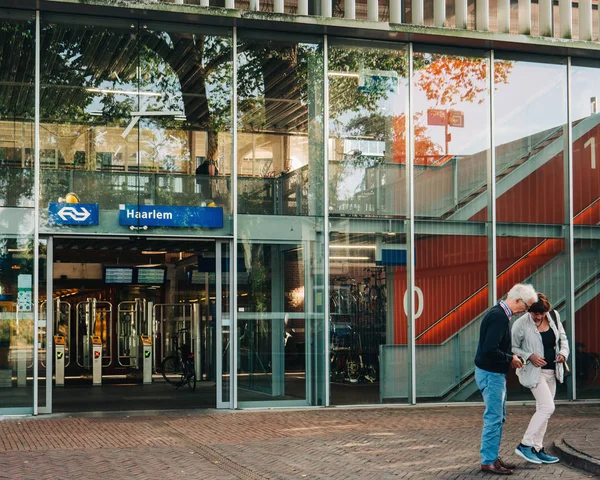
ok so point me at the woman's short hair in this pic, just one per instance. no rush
(542, 305)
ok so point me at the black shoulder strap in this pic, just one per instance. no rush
(553, 315)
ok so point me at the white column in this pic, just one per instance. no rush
(278, 6)
(525, 17)
(395, 11)
(439, 13)
(302, 7)
(417, 12)
(461, 14)
(349, 9)
(585, 20)
(326, 8)
(565, 15)
(229, 3)
(504, 16)
(253, 5)
(482, 19)
(373, 11)
(545, 14)
(204, 3)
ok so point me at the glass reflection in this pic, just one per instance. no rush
(367, 144)
(130, 111)
(531, 114)
(451, 135)
(280, 122)
(585, 113)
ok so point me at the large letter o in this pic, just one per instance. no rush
(420, 302)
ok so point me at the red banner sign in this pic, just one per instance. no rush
(436, 117)
(456, 118)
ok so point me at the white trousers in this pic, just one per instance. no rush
(544, 408)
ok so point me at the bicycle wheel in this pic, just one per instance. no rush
(191, 375)
(172, 371)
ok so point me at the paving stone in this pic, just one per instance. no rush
(370, 443)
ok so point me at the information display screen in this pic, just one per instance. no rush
(151, 276)
(118, 275)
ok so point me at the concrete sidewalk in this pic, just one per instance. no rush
(421, 443)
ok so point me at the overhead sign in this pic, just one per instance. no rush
(73, 213)
(170, 216)
(378, 81)
(456, 119)
(436, 117)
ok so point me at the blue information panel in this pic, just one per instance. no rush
(73, 213)
(170, 216)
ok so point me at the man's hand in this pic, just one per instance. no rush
(537, 360)
(560, 358)
(516, 362)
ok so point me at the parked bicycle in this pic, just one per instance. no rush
(178, 368)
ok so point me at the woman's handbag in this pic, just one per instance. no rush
(561, 370)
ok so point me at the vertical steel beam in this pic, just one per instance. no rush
(36, 216)
(410, 237)
(439, 13)
(373, 11)
(565, 16)
(545, 18)
(504, 16)
(233, 282)
(569, 240)
(491, 207)
(585, 20)
(302, 7)
(461, 14)
(482, 17)
(525, 17)
(326, 313)
(350, 9)
(396, 11)
(418, 10)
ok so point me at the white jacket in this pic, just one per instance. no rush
(527, 340)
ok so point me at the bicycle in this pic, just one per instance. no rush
(178, 369)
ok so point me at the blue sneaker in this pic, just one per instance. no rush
(528, 453)
(545, 458)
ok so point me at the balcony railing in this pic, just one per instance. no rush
(564, 19)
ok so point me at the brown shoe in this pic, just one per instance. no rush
(496, 468)
(505, 464)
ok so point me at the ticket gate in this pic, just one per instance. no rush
(168, 320)
(61, 337)
(93, 332)
(135, 331)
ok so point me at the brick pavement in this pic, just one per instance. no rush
(378, 443)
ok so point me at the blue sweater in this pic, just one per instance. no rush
(494, 351)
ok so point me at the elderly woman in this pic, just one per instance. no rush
(539, 338)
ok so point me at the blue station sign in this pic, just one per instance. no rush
(170, 216)
(73, 213)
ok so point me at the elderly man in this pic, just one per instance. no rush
(493, 360)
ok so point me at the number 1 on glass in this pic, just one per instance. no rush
(592, 142)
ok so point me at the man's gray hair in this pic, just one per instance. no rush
(522, 291)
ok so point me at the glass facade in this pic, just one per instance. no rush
(124, 120)
(345, 172)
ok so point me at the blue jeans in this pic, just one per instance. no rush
(493, 389)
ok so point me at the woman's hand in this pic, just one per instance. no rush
(560, 358)
(536, 360)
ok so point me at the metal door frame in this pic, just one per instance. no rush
(224, 322)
